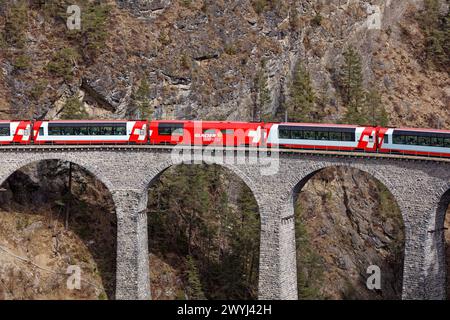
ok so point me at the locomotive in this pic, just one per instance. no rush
(333, 137)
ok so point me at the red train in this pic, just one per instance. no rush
(428, 142)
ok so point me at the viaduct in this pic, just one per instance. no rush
(420, 186)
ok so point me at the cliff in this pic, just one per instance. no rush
(204, 59)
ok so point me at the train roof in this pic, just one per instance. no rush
(205, 121)
(326, 125)
(422, 130)
(84, 121)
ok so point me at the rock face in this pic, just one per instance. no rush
(201, 59)
(347, 222)
(37, 250)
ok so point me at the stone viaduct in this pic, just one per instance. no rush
(421, 188)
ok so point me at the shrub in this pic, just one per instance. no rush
(16, 24)
(63, 63)
(22, 62)
(73, 110)
(316, 21)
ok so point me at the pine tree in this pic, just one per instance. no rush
(195, 290)
(375, 109)
(351, 83)
(263, 99)
(436, 30)
(73, 109)
(309, 262)
(302, 97)
(141, 100)
(16, 24)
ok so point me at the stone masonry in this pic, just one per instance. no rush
(420, 187)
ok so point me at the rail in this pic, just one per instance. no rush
(138, 147)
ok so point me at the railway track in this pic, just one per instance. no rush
(121, 147)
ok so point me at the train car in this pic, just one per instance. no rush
(90, 132)
(413, 141)
(15, 132)
(322, 136)
(222, 133)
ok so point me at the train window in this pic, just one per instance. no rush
(41, 131)
(94, 131)
(4, 131)
(54, 131)
(386, 138)
(120, 131)
(165, 131)
(423, 141)
(348, 136)
(297, 134)
(322, 135)
(411, 140)
(106, 131)
(210, 131)
(284, 134)
(399, 139)
(309, 135)
(67, 131)
(335, 136)
(227, 131)
(446, 142)
(178, 132)
(437, 141)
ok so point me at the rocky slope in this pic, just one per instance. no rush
(201, 60)
(346, 222)
(38, 242)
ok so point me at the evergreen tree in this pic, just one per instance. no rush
(195, 291)
(141, 100)
(73, 109)
(351, 83)
(16, 23)
(302, 97)
(436, 30)
(309, 262)
(263, 98)
(375, 109)
(199, 222)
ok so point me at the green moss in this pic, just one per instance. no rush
(186, 3)
(22, 62)
(230, 49)
(260, 6)
(102, 296)
(316, 21)
(164, 38)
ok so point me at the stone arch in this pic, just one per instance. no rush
(441, 267)
(158, 170)
(299, 181)
(17, 164)
(12, 166)
(163, 166)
